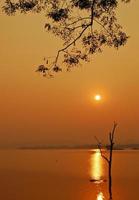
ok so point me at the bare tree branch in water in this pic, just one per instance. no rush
(110, 156)
(85, 26)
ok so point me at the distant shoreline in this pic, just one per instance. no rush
(75, 148)
(119, 147)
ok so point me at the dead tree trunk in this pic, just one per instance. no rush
(110, 157)
(110, 175)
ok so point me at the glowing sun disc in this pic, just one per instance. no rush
(97, 97)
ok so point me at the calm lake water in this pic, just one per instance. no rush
(66, 175)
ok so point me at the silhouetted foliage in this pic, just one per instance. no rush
(85, 26)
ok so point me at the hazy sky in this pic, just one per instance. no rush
(37, 110)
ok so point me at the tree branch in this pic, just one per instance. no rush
(80, 19)
(73, 42)
(103, 27)
(100, 149)
(113, 130)
(92, 14)
(81, 33)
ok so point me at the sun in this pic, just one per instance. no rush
(97, 97)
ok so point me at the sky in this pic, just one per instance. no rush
(38, 111)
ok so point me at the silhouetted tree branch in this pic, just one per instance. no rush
(100, 149)
(85, 26)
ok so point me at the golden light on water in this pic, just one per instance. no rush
(100, 196)
(96, 171)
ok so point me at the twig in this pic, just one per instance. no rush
(100, 149)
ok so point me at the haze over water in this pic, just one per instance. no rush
(66, 175)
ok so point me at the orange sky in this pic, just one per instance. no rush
(36, 110)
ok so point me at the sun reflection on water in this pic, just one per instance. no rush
(96, 171)
(100, 196)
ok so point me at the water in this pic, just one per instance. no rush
(67, 175)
